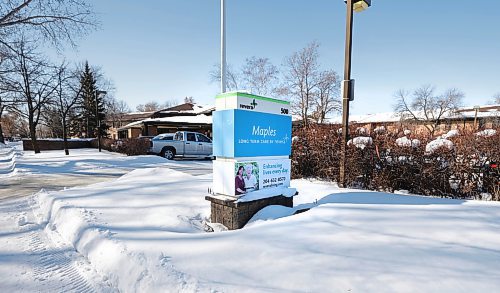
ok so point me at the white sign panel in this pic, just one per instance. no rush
(244, 101)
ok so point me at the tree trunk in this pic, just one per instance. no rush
(65, 136)
(2, 139)
(34, 142)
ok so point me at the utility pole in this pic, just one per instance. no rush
(223, 46)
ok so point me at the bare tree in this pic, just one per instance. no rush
(301, 78)
(34, 82)
(5, 103)
(496, 99)
(150, 106)
(232, 77)
(314, 92)
(116, 110)
(67, 94)
(171, 103)
(14, 125)
(425, 107)
(7, 99)
(189, 100)
(52, 20)
(327, 97)
(153, 106)
(260, 76)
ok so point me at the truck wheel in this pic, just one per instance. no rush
(168, 153)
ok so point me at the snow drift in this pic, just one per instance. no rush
(145, 232)
(7, 160)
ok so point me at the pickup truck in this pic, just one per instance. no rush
(182, 144)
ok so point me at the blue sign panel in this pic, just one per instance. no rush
(241, 133)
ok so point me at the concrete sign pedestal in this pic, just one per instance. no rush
(234, 215)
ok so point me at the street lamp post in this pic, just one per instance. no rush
(347, 83)
(98, 121)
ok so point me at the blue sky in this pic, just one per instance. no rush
(164, 49)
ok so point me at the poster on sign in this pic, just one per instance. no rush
(249, 176)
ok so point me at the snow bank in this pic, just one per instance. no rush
(486, 132)
(270, 213)
(360, 142)
(113, 224)
(267, 192)
(379, 129)
(7, 160)
(432, 146)
(406, 142)
(450, 134)
(144, 232)
(361, 131)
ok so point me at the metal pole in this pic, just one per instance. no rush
(98, 122)
(223, 46)
(347, 92)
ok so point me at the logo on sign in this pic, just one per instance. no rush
(251, 106)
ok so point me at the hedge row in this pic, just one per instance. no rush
(129, 146)
(377, 162)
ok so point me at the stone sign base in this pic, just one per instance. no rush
(234, 215)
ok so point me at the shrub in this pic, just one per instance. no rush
(132, 146)
(464, 170)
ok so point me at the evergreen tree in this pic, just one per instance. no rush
(88, 84)
(83, 122)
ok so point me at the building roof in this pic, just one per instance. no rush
(197, 119)
(184, 109)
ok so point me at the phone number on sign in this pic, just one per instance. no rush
(274, 180)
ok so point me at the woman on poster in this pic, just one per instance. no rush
(239, 182)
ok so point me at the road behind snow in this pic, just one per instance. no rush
(52, 171)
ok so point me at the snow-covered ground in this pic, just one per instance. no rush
(145, 232)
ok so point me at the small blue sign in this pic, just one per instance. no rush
(241, 133)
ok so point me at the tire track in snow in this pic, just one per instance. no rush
(56, 268)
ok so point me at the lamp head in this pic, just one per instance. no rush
(360, 5)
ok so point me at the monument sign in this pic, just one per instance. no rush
(251, 140)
